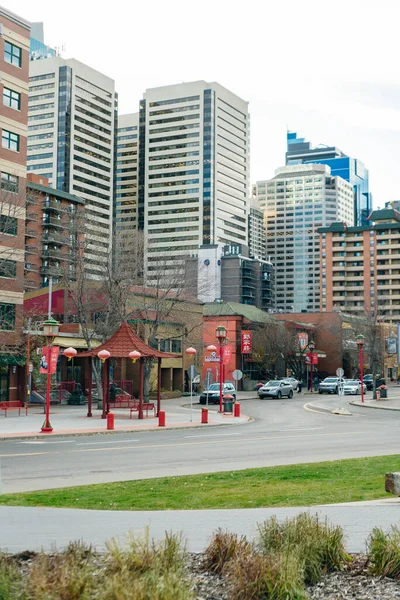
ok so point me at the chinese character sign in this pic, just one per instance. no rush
(227, 354)
(48, 361)
(247, 339)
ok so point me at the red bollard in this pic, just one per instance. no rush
(161, 418)
(110, 420)
(236, 409)
(204, 415)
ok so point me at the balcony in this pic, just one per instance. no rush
(55, 238)
(32, 233)
(50, 270)
(31, 249)
(52, 222)
(31, 284)
(33, 217)
(52, 205)
(55, 255)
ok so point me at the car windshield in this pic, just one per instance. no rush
(330, 380)
(351, 382)
(215, 386)
(273, 383)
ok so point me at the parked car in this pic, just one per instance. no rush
(330, 385)
(213, 393)
(293, 382)
(276, 389)
(353, 386)
(368, 380)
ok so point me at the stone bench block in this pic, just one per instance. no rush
(392, 483)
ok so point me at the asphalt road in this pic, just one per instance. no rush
(283, 432)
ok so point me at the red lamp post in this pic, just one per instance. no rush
(191, 352)
(311, 347)
(360, 343)
(50, 330)
(104, 355)
(220, 332)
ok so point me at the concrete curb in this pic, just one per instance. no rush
(367, 405)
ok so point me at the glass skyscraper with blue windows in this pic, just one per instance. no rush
(300, 151)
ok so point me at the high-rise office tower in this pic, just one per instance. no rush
(127, 173)
(71, 130)
(14, 74)
(351, 169)
(296, 202)
(194, 171)
(256, 228)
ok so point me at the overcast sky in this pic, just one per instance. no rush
(329, 70)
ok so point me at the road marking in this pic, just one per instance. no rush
(211, 435)
(43, 442)
(198, 443)
(112, 442)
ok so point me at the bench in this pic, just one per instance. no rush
(126, 401)
(146, 406)
(13, 405)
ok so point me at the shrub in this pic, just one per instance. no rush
(384, 552)
(316, 545)
(126, 585)
(67, 575)
(11, 583)
(255, 576)
(143, 554)
(224, 546)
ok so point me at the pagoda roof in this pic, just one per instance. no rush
(124, 341)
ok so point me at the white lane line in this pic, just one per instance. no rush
(303, 429)
(211, 435)
(110, 442)
(43, 442)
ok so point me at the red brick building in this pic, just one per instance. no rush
(14, 85)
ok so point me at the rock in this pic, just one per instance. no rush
(392, 483)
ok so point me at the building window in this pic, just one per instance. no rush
(11, 98)
(12, 54)
(165, 345)
(8, 268)
(10, 140)
(9, 182)
(7, 316)
(8, 225)
(176, 346)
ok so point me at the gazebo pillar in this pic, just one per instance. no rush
(89, 370)
(159, 386)
(141, 386)
(105, 369)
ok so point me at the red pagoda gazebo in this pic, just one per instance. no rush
(120, 345)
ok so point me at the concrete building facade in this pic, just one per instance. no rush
(14, 77)
(193, 171)
(296, 202)
(71, 141)
(127, 173)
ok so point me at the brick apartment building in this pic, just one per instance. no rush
(14, 82)
(53, 235)
(360, 267)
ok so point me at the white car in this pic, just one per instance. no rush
(292, 381)
(353, 386)
(276, 389)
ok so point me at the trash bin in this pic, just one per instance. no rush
(228, 403)
(383, 391)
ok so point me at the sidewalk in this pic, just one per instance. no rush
(389, 404)
(41, 528)
(70, 420)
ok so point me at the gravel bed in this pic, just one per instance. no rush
(353, 583)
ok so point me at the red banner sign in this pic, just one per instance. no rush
(247, 342)
(303, 340)
(312, 358)
(48, 361)
(227, 355)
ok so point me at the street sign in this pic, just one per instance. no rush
(192, 372)
(227, 353)
(237, 375)
(339, 372)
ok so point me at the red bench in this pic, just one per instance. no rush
(146, 406)
(13, 405)
(126, 401)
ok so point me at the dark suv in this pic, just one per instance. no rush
(367, 379)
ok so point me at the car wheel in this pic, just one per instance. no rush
(320, 391)
(279, 395)
(336, 390)
(290, 395)
(262, 397)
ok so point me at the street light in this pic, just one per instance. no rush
(103, 356)
(311, 347)
(50, 330)
(360, 343)
(220, 332)
(191, 352)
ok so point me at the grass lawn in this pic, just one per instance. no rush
(291, 485)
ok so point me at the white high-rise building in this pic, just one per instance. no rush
(194, 171)
(71, 129)
(127, 173)
(298, 200)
